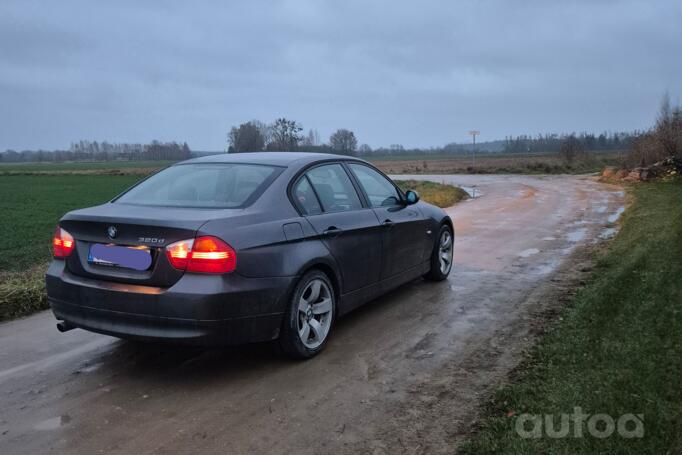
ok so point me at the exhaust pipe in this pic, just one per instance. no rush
(64, 326)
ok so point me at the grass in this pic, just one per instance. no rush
(76, 166)
(434, 193)
(22, 293)
(617, 349)
(31, 206)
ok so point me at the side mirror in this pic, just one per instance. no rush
(412, 197)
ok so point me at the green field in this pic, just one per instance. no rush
(618, 349)
(81, 166)
(30, 207)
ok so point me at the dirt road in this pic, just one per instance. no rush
(404, 373)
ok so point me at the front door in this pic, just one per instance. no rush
(404, 227)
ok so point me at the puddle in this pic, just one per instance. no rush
(53, 423)
(600, 209)
(472, 191)
(90, 368)
(548, 239)
(529, 252)
(614, 217)
(546, 268)
(577, 235)
(607, 233)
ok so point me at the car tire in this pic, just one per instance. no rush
(441, 254)
(309, 317)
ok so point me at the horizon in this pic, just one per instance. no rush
(379, 148)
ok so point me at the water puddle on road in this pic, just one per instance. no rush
(607, 233)
(577, 235)
(614, 217)
(472, 191)
(529, 252)
(53, 423)
(546, 268)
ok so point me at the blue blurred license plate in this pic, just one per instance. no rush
(129, 257)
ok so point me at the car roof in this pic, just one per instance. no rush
(269, 158)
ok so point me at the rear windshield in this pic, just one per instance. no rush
(205, 185)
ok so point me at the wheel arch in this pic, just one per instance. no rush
(328, 269)
(448, 221)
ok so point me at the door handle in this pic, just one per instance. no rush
(387, 223)
(332, 231)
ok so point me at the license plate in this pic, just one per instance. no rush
(129, 257)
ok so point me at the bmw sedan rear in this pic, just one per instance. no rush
(243, 248)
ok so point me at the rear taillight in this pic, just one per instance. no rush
(203, 255)
(62, 243)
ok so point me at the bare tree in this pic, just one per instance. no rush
(571, 148)
(645, 150)
(246, 138)
(668, 129)
(312, 138)
(285, 135)
(264, 128)
(365, 149)
(343, 141)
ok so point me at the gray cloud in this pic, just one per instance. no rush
(419, 73)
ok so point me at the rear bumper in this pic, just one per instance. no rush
(198, 309)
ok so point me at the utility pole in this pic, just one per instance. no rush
(474, 133)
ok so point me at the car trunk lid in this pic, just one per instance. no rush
(143, 228)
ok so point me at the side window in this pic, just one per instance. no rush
(334, 188)
(380, 191)
(305, 196)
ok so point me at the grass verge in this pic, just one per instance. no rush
(22, 293)
(434, 193)
(616, 350)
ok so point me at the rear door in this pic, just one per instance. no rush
(403, 226)
(350, 231)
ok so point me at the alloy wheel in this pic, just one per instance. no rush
(315, 310)
(445, 252)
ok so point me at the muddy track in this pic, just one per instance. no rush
(405, 373)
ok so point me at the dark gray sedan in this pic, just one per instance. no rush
(239, 248)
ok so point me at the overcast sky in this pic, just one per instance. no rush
(414, 73)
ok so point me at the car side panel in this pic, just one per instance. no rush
(263, 249)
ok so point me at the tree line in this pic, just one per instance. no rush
(287, 135)
(553, 142)
(103, 151)
(284, 135)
